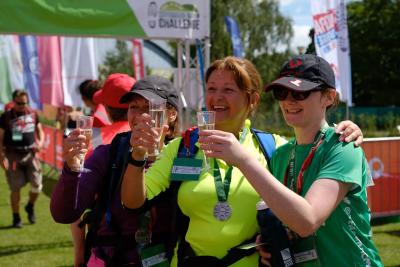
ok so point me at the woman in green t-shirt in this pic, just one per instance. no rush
(318, 184)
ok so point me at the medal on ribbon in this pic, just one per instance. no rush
(222, 211)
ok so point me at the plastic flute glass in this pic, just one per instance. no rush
(157, 111)
(85, 124)
(206, 121)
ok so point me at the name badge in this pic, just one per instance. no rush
(16, 135)
(186, 169)
(305, 252)
(153, 255)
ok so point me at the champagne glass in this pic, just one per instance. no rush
(206, 121)
(85, 124)
(157, 110)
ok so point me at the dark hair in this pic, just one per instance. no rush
(88, 88)
(245, 74)
(173, 126)
(117, 114)
(18, 93)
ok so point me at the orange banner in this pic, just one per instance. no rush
(383, 155)
(52, 147)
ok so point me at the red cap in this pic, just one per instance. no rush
(116, 85)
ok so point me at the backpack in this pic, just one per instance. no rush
(119, 150)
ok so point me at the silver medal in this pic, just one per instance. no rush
(222, 211)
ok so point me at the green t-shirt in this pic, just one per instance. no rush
(345, 237)
(207, 235)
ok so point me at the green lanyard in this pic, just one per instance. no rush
(222, 210)
(222, 188)
(289, 174)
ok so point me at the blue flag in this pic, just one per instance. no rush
(233, 29)
(29, 53)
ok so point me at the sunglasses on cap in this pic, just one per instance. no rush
(281, 93)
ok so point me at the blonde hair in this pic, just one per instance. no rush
(244, 72)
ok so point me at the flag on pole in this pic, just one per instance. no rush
(28, 45)
(332, 42)
(78, 59)
(137, 58)
(233, 29)
(5, 82)
(49, 55)
(10, 67)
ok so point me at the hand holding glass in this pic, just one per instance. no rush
(157, 110)
(206, 121)
(85, 124)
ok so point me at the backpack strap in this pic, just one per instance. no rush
(118, 155)
(180, 222)
(93, 218)
(187, 147)
(267, 143)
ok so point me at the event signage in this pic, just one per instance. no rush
(332, 42)
(187, 19)
(180, 19)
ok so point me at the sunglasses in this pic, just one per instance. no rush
(281, 93)
(21, 103)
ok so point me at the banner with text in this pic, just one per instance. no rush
(185, 19)
(332, 42)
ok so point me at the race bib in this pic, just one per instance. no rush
(153, 256)
(305, 252)
(16, 135)
(186, 169)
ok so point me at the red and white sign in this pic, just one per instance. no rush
(137, 58)
(332, 42)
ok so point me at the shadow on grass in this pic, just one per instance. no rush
(11, 250)
(389, 232)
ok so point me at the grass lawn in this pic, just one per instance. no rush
(47, 243)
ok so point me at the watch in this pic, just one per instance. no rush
(137, 163)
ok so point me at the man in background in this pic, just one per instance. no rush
(21, 137)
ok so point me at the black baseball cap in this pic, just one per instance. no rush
(304, 73)
(153, 87)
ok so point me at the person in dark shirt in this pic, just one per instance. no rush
(21, 137)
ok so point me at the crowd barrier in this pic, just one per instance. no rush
(52, 148)
(383, 156)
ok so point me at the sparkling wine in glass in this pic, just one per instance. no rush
(157, 111)
(85, 124)
(206, 121)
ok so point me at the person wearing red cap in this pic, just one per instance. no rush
(107, 97)
(87, 89)
(114, 232)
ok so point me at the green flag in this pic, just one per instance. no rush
(5, 83)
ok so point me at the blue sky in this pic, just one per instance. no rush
(300, 13)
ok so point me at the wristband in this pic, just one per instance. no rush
(137, 163)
